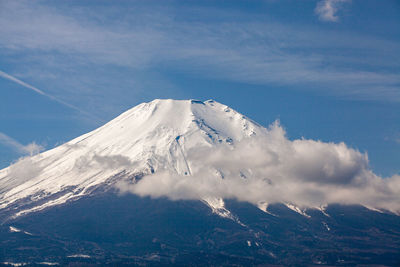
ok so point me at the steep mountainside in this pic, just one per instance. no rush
(140, 141)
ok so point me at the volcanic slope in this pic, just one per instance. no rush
(143, 140)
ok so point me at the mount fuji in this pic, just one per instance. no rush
(143, 140)
(187, 182)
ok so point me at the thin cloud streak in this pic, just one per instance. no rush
(24, 84)
(30, 149)
(11, 78)
(10, 142)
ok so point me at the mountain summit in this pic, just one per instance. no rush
(142, 140)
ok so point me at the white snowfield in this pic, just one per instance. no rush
(144, 139)
(189, 149)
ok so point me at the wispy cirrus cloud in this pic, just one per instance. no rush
(327, 9)
(102, 51)
(30, 149)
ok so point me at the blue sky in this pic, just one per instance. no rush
(328, 70)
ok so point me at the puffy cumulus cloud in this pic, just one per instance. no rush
(272, 168)
(327, 9)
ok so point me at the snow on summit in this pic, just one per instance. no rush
(141, 139)
(189, 149)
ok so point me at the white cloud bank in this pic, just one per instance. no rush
(274, 169)
(327, 9)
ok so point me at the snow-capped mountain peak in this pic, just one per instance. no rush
(148, 137)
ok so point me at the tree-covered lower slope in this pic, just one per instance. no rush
(112, 229)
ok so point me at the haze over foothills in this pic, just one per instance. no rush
(327, 70)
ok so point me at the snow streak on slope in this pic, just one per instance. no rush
(196, 150)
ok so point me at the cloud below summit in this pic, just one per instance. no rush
(274, 169)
